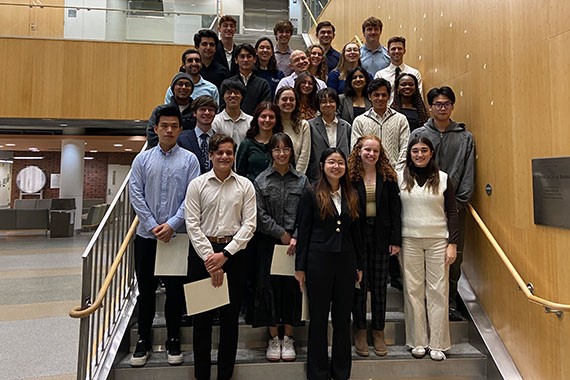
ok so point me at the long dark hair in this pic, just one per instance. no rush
(417, 100)
(295, 115)
(272, 64)
(349, 90)
(410, 174)
(323, 188)
(254, 125)
(281, 137)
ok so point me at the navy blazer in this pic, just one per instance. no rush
(320, 142)
(220, 57)
(388, 223)
(189, 141)
(334, 234)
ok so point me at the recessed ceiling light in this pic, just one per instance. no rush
(88, 158)
(29, 158)
(6, 162)
(128, 150)
(1, 146)
(117, 145)
(63, 125)
(10, 144)
(93, 151)
(33, 149)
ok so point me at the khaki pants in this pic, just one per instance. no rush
(426, 292)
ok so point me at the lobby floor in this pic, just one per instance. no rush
(40, 281)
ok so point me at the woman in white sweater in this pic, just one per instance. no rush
(297, 128)
(429, 247)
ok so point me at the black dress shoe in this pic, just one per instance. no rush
(186, 320)
(455, 315)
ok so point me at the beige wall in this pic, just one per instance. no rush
(32, 22)
(510, 61)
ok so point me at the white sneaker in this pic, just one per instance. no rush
(273, 353)
(288, 353)
(418, 352)
(436, 355)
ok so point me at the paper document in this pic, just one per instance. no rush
(282, 264)
(305, 305)
(172, 257)
(201, 296)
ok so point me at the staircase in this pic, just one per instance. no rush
(464, 361)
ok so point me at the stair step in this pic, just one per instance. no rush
(250, 337)
(464, 362)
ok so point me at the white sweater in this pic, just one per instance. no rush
(301, 144)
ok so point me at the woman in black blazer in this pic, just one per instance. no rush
(328, 248)
(379, 207)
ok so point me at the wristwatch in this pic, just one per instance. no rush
(226, 254)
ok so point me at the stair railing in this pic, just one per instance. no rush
(526, 287)
(109, 288)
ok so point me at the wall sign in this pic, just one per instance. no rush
(551, 191)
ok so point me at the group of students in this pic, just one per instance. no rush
(346, 183)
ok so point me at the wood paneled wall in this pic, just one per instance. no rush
(32, 22)
(45, 78)
(509, 64)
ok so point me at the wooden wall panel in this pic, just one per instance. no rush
(18, 21)
(509, 63)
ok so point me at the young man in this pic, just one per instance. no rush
(157, 185)
(283, 31)
(192, 64)
(257, 89)
(325, 34)
(455, 155)
(373, 55)
(397, 50)
(196, 140)
(391, 126)
(206, 41)
(227, 27)
(299, 63)
(232, 121)
(181, 89)
(220, 220)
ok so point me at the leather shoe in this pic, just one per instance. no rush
(455, 315)
(379, 343)
(361, 343)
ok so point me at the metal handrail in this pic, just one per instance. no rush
(79, 311)
(308, 9)
(527, 288)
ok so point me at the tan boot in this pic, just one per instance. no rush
(379, 343)
(360, 343)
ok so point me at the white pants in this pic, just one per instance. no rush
(426, 290)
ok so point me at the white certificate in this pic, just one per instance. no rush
(305, 305)
(201, 295)
(172, 257)
(282, 264)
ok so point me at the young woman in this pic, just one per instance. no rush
(252, 156)
(349, 59)
(298, 129)
(377, 186)
(408, 100)
(266, 64)
(354, 102)
(277, 298)
(429, 246)
(306, 89)
(317, 62)
(328, 258)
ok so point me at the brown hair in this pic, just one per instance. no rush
(372, 21)
(383, 167)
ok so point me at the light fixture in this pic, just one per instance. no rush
(10, 144)
(33, 149)
(29, 158)
(128, 150)
(6, 162)
(93, 151)
(117, 145)
(88, 158)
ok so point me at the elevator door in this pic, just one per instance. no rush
(260, 16)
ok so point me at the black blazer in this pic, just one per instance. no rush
(346, 109)
(189, 141)
(220, 57)
(388, 223)
(334, 234)
(320, 142)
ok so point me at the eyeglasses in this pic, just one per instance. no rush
(183, 84)
(333, 163)
(440, 105)
(281, 150)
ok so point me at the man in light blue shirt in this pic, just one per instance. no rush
(373, 55)
(192, 64)
(158, 183)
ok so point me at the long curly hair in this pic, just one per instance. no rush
(383, 167)
(417, 100)
(322, 69)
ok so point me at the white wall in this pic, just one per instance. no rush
(84, 24)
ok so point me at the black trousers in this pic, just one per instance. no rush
(145, 255)
(229, 317)
(330, 280)
(455, 268)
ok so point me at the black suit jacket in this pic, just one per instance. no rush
(334, 234)
(346, 109)
(388, 223)
(320, 142)
(220, 57)
(189, 141)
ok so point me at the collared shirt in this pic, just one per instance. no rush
(332, 56)
(220, 208)
(157, 186)
(290, 81)
(237, 129)
(245, 78)
(337, 200)
(203, 87)
(389, 73)
(331, 131)
(283, 59)
(374, 60)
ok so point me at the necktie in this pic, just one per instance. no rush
(204, 149)
(397, 73)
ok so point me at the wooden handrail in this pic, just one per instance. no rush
(78, 312)
(549, 306)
